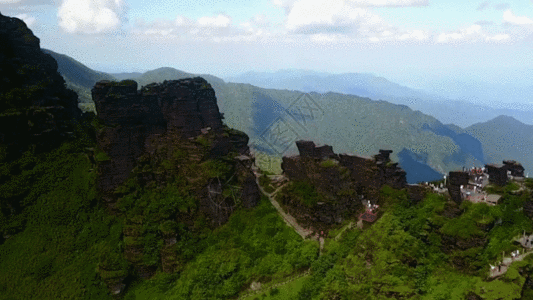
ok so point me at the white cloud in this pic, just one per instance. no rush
(419, 35)
(218, 21)
(502, 6)
(22, 6)
(469, 33)
(390, 2)
(29, 20)
(328, 20)
(497, 38)
(360, 3)
(258, 25)
(509, 17)
(326, 16)
(91, 16)
(472, 33)
(215, 28)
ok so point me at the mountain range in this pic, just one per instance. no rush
(155, 197)
(458, 112)
(425, 147)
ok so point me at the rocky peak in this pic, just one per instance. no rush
(186, 105)
(35, 106)
(178, 115)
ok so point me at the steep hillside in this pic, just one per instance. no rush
(504, 138)
(78, 77)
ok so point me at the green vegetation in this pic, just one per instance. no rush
(266, 183)
(304, 192)
(329, 163)
(254, 245)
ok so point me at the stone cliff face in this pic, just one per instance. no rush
(342, 180)
(35, 106)
(136, 120)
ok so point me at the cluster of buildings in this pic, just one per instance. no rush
(469, 184)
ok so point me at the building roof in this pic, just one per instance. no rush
(368, 216)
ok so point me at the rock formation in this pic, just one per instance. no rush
(170, 133)
(135, 121)
(516, 169)
(498, 173)
(340, 180)
(35, 106)
(455, 180)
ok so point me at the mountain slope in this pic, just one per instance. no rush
(78, 77)
(505, 138)
(461, 113)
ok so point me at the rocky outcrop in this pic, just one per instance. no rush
(455, 180)
(340, 181)
(134, 122)
(35, 106)
(498, 173)
(515, 168)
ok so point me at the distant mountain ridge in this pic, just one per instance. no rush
(425, 147)
(461, 113)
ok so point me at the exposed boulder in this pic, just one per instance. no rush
(455, 180)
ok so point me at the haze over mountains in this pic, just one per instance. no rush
(425, 147)
(459, 112)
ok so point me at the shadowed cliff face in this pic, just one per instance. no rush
(467, 143)
(35, 106)
(416, 170)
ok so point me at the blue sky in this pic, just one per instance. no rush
(418, 43)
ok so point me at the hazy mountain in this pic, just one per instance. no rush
(122, 76)
(458, 112)
(78, 77)
(510, 95)
(505, 138)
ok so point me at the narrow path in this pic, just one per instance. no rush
(260, 289)
(507, 261)
(349, 226)
(289, 220)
